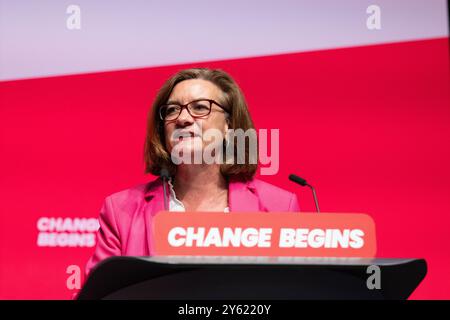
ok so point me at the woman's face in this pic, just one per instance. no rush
(192, 129)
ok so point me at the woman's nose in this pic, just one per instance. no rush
(185, 117)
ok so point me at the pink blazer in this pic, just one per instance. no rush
(126, 216)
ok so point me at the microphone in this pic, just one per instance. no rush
(303, 183)
(164, 174)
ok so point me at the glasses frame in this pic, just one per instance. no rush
(185, 106)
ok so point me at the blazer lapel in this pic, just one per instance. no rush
(154, 203)
(243, 196)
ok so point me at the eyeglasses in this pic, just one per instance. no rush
(197, 109)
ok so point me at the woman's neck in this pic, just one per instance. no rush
(194, 184)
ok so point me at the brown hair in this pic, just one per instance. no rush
(156, 155)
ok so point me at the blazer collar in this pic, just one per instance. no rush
(242, 196)
(154, 196)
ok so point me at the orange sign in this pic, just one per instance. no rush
(264, 234)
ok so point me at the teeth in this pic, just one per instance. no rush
(186, 135)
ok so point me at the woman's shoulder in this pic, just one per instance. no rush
(135, 193)
(275, 197)
(266, 187)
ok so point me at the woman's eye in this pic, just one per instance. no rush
(200, 106)
(171, 109)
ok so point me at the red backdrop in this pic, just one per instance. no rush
(368, 126)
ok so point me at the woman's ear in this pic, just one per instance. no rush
(227, 125)
(228, 122)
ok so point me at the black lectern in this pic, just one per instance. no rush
(267, 278)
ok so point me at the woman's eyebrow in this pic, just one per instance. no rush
(177, 102)
(172, 102)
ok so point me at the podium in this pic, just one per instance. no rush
(250, 278)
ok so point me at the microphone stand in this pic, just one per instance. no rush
(303, 183)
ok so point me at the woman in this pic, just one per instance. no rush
(189, 104)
